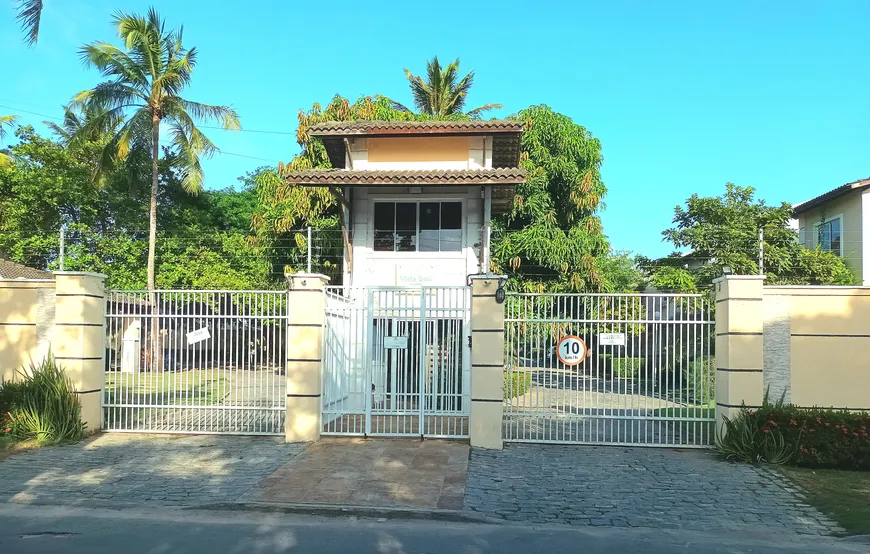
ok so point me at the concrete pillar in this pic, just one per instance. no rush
(487, 363)
(79, 337)
(304, 359)
(739, 343)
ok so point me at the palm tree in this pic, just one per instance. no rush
(29, 14)
(142, 92)
(4, 121)
(439, 94)
(77, 126)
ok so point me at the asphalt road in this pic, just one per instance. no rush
(42, 529)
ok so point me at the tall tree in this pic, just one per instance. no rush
(29, 16)
(143, 89)
(441, 93)
(724, 231)
(553, 238)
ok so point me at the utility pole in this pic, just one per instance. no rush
(60, 256)
(761, 251)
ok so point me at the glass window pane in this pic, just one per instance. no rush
(385, 226)
(835, 236)
(406, 226)
(430, 215)
(451, 240)
(430, 219)
(451, 215)
(825, 236)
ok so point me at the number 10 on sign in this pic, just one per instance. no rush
(571, 350)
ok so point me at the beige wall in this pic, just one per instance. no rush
(26, 323)
(817, 345)
(851, 227)
(421, 153)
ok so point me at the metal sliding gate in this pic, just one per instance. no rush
(396, 361)
(189, 361)
(647, 379)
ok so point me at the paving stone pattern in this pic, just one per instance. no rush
(126, 469)
(408, 473)
(637, 487)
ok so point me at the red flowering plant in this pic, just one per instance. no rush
(778, 432)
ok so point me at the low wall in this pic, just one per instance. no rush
(817, 345)
(27, 309)
(809, 345)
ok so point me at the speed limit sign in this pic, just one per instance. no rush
(571, 350)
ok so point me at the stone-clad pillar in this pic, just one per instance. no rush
(304, 356)
(79, 337)
(739, 343)
(487, 363)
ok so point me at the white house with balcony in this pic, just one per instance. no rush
(418, 195)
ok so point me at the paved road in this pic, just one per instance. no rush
(42, 530)
(634, 487)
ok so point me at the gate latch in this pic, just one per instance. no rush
(469, 341)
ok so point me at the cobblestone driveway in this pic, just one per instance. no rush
(122, 469)
(638, 487)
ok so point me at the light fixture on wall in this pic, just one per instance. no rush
(415, 190)
(726, 270)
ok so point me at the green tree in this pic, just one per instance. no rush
(29, 16)
(724, 231)
(143, 90)
(442, 93)
(5, 121)
(553, 236)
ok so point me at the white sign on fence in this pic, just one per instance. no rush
(396, 342)
(199, 335)
(611, 339)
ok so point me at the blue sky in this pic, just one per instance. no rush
(684, 96)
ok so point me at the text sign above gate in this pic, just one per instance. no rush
(396, 342)
(611, 339)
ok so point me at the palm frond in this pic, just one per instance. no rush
(476, 112)
(29, 16)
(4, 121)
(442, 93)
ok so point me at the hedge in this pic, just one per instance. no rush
(627, 368)
(785, 434)
(516, 384)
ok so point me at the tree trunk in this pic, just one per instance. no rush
(156, 349)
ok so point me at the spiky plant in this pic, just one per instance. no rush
(6, 120)
(29, 15)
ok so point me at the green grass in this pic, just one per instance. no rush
(194, 387)
(842, 495)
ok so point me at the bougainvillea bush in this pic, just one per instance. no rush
(785, 434)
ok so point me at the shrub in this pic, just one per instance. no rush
(785, 434)
(516, 384)
(700, 378)
(627, 368)
(42, 405)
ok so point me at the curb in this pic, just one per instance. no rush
(386, 512)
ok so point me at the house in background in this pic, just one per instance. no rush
(839, 221)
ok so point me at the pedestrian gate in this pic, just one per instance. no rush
(396, 361)
(195, 361)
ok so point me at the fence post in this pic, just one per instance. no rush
(304, 356)
(487, 363)
(739, 344)
(79, 337)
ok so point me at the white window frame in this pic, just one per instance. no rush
(827, 220)
(370, 241)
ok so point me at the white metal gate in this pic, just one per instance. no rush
(396, 361)
(647, 380)
(195, 361)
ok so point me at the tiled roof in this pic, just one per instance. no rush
(12, 270)
(374, 127)
(830, 195)
(415, 177)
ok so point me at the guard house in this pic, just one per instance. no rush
(418, 195)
